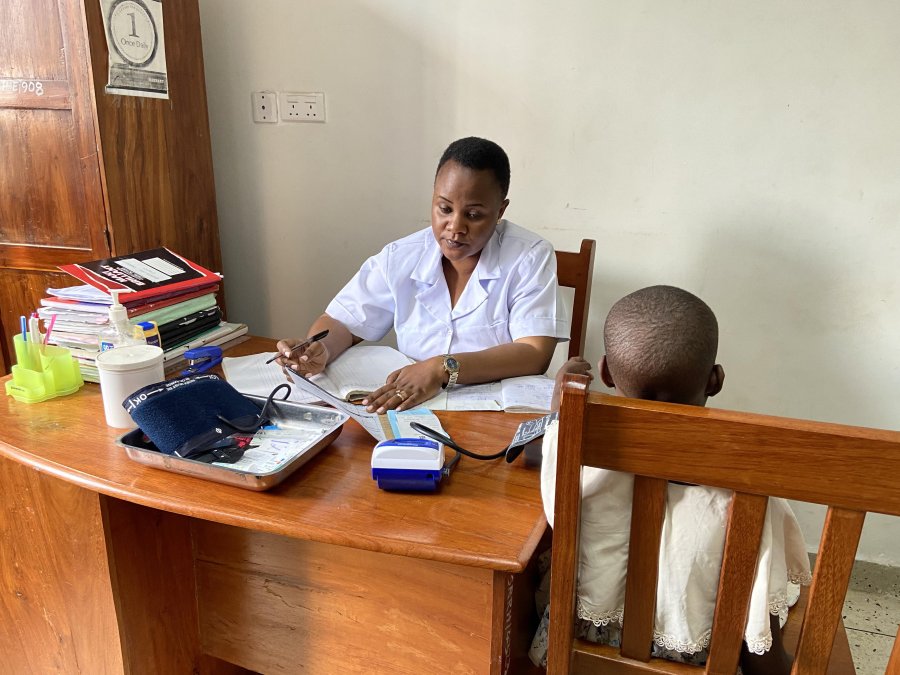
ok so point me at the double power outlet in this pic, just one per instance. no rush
(268, 106)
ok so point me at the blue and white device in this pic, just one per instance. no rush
(408, 464)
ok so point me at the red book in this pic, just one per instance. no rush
(143, 276)
(142, 306)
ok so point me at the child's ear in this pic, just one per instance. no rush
(605, 375)
(716, 380)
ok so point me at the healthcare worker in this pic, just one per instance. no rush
(474, 298)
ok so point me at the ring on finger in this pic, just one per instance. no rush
(402, 395)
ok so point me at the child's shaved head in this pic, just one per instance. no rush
(661, 344)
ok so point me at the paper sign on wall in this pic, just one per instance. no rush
(137, 48)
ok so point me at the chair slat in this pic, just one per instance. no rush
(590, 659)
(811, 456)
(841, 662)
(564, 561)
(576, 271)
(746, 516)
(756, 456)
(834, 562)
(648, 510)
(893, 666)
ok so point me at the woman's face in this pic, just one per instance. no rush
(465, 208)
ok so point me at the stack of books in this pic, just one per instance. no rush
(156, 285)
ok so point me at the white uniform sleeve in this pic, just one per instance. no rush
(366, 304)
(537, 309)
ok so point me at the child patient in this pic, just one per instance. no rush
(661, 345)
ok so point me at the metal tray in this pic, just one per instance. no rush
(326, 423)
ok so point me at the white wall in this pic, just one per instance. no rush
(748, 152)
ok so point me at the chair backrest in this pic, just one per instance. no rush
(852, 470)
(576, 270)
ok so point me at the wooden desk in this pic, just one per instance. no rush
(110, 566)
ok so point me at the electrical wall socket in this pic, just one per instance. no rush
(302, 107)
(265, 106)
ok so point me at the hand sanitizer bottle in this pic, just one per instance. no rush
(118, 333)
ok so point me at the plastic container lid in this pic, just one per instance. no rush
(130, 357)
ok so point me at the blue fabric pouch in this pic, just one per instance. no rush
(187, 416)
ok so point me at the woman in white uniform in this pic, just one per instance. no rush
(472, 299)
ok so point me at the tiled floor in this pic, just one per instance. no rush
(871, 615)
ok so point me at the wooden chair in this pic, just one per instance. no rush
(852, 470)
(576, 270)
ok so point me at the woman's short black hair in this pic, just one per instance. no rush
(479, 154)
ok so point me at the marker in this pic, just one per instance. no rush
(34, 342)
(34, 329)
(49, 328)
(306, 343)
(24, 329)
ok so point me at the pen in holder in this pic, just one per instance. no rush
(42, 372)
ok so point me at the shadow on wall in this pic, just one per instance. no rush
(291, 242)
(776, 298)
(783, 342)
(786, 329)
(785, 326)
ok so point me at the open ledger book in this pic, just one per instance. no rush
(359, 371)
(364, 368)
(528, 394)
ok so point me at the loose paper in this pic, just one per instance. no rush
(401, 422)
(271, 449)
(368, 421)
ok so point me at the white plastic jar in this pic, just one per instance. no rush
(124, 370)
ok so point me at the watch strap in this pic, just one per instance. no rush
(451, 367)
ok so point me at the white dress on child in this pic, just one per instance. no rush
(690, 557)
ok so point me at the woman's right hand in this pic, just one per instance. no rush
(309, 360)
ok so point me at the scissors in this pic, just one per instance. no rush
(201, 359)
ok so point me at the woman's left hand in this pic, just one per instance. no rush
(408, 387)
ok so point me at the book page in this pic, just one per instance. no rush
(375, 424)
(362, 369)
(532, 393)
(473, 397)
(252, 375)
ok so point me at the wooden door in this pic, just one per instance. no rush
(85, 174)
(52, 209)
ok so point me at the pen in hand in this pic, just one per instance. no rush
(306, 343)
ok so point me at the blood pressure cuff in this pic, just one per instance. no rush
(190, 414)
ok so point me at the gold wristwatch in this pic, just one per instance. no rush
(451, 366)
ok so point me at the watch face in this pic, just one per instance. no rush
(451, 363)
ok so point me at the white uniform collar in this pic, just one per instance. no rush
(436, 297)
(428, 270)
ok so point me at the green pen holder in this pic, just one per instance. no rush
(42, 372)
